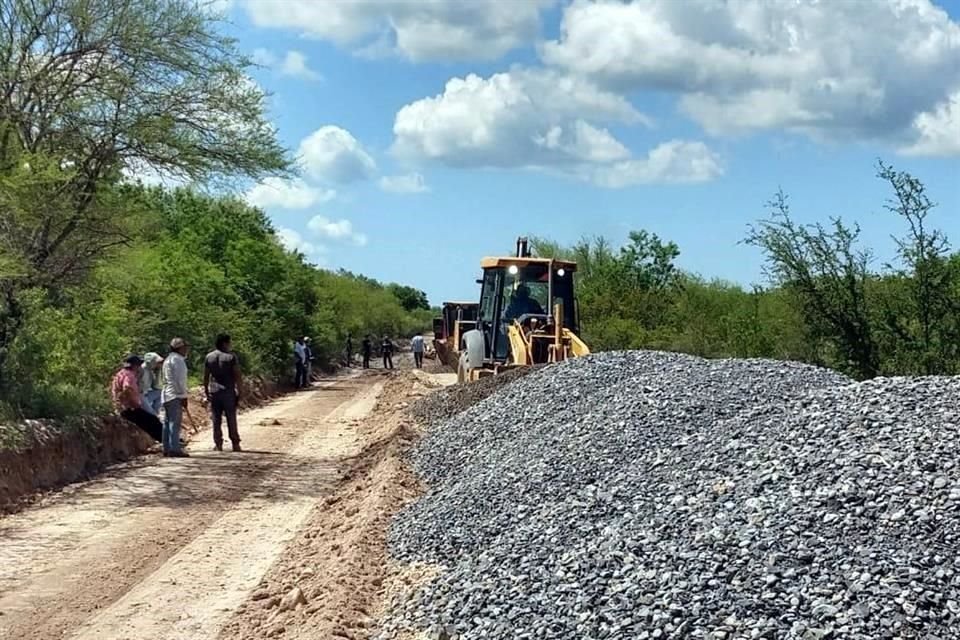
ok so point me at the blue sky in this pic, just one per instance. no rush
(433, 133)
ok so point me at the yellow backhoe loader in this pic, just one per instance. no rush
(527, 315)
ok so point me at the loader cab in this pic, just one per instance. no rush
(525, 290)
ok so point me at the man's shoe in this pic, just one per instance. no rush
(218, 447)
(236, 447)
(179, 454)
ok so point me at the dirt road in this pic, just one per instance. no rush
(168, 550)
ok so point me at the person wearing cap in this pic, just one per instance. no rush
(127, 400)
(174, 397)
(151, 386)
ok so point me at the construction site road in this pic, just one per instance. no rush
(167, 549)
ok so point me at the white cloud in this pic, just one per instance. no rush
(286, 194)
(339, 230)
(418, 30)
(521, 118)
(294, 241)
(832, 70)
(938, 131)
(293, 63)
(410, 183)
(332, 154)
(676, 161)
(540, 119)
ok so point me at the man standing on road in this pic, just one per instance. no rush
(417, 345)
(174, 397)
(221, 386)
(300, 357)
(367, 347)
(128, 401)
(308, 362)
(386, 350)
(349, 349)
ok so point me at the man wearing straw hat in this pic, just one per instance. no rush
(174, 397)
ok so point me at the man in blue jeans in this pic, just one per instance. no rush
(174, 397)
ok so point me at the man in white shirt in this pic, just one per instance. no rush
(174, 397)
(417, 346)
(300, 357)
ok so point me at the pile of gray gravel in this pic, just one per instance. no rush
(648, 495)
(449, 401)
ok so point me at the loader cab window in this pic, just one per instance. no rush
(528, 291)
(488, 296)
(521, 297)
(563, 292)
(506, 296)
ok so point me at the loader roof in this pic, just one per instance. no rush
(495, 263)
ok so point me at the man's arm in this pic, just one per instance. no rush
(237, 376)
(206, 380)
(181, 381)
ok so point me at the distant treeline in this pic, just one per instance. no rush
(827, 300)
(193, 266)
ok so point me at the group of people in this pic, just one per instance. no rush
(388, 348)
(148, 387)
(152, 391)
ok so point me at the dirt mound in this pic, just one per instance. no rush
(48, 454)
(39, 455)
(450, 401)
(333, 575)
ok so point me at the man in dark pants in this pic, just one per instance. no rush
(349, 350)
(128, 401)
(221, 385)
(386, 350)
(300, 357)
(307, 362)
(417, 346)
(367, 346)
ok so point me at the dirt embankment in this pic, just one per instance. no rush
(39, 455)
(332, 579)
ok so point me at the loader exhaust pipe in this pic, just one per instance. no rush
(523, 249)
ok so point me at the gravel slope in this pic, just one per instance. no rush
(650, 495)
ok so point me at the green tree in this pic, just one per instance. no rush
(410, 299)
(828, 274)
(926, 320)
(90, 91)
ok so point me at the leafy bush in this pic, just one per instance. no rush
(200, 265)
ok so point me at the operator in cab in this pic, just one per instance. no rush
(521, 303)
